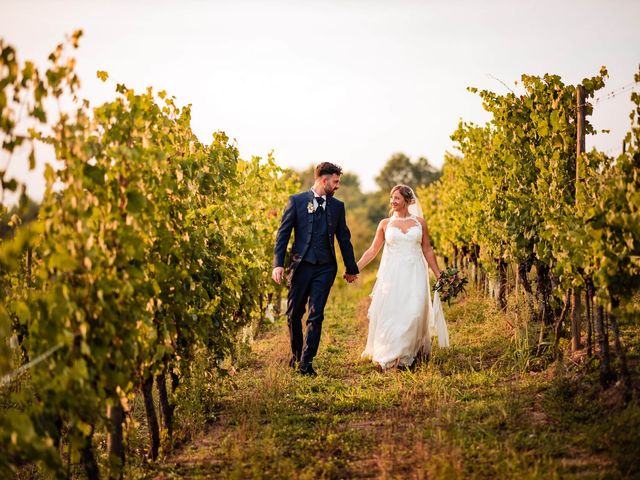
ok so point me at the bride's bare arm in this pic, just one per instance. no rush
(427, 249)
(375, 247)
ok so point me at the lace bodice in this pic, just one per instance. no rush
(403, 236)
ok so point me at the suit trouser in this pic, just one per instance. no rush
(310, 287)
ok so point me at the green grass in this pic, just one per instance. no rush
(476, 410)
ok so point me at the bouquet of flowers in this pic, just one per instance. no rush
(450, 285)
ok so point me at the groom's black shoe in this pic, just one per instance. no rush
(307, 370)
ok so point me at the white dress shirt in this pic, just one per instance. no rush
(315, 202)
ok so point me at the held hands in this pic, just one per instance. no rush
(277, 274)
(350, 278)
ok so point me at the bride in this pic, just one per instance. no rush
(402, 318)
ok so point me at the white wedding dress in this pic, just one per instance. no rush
(402, 318)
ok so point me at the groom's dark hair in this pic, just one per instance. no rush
(326, 168)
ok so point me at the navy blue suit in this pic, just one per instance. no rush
(313, 266)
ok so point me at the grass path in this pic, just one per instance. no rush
(474, 411)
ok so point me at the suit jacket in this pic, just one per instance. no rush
(297, 218)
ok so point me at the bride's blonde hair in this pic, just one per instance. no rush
(406, 193)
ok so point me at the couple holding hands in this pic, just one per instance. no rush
(402, 316)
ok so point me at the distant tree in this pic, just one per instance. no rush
(349, 191)
(425, 173)
(307, 176)
(350, 180)
(377, 206)
(399, 169)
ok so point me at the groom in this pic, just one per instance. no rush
(317, 218)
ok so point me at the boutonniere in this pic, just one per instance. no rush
(310, 207)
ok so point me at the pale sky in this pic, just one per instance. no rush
(350, 82)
